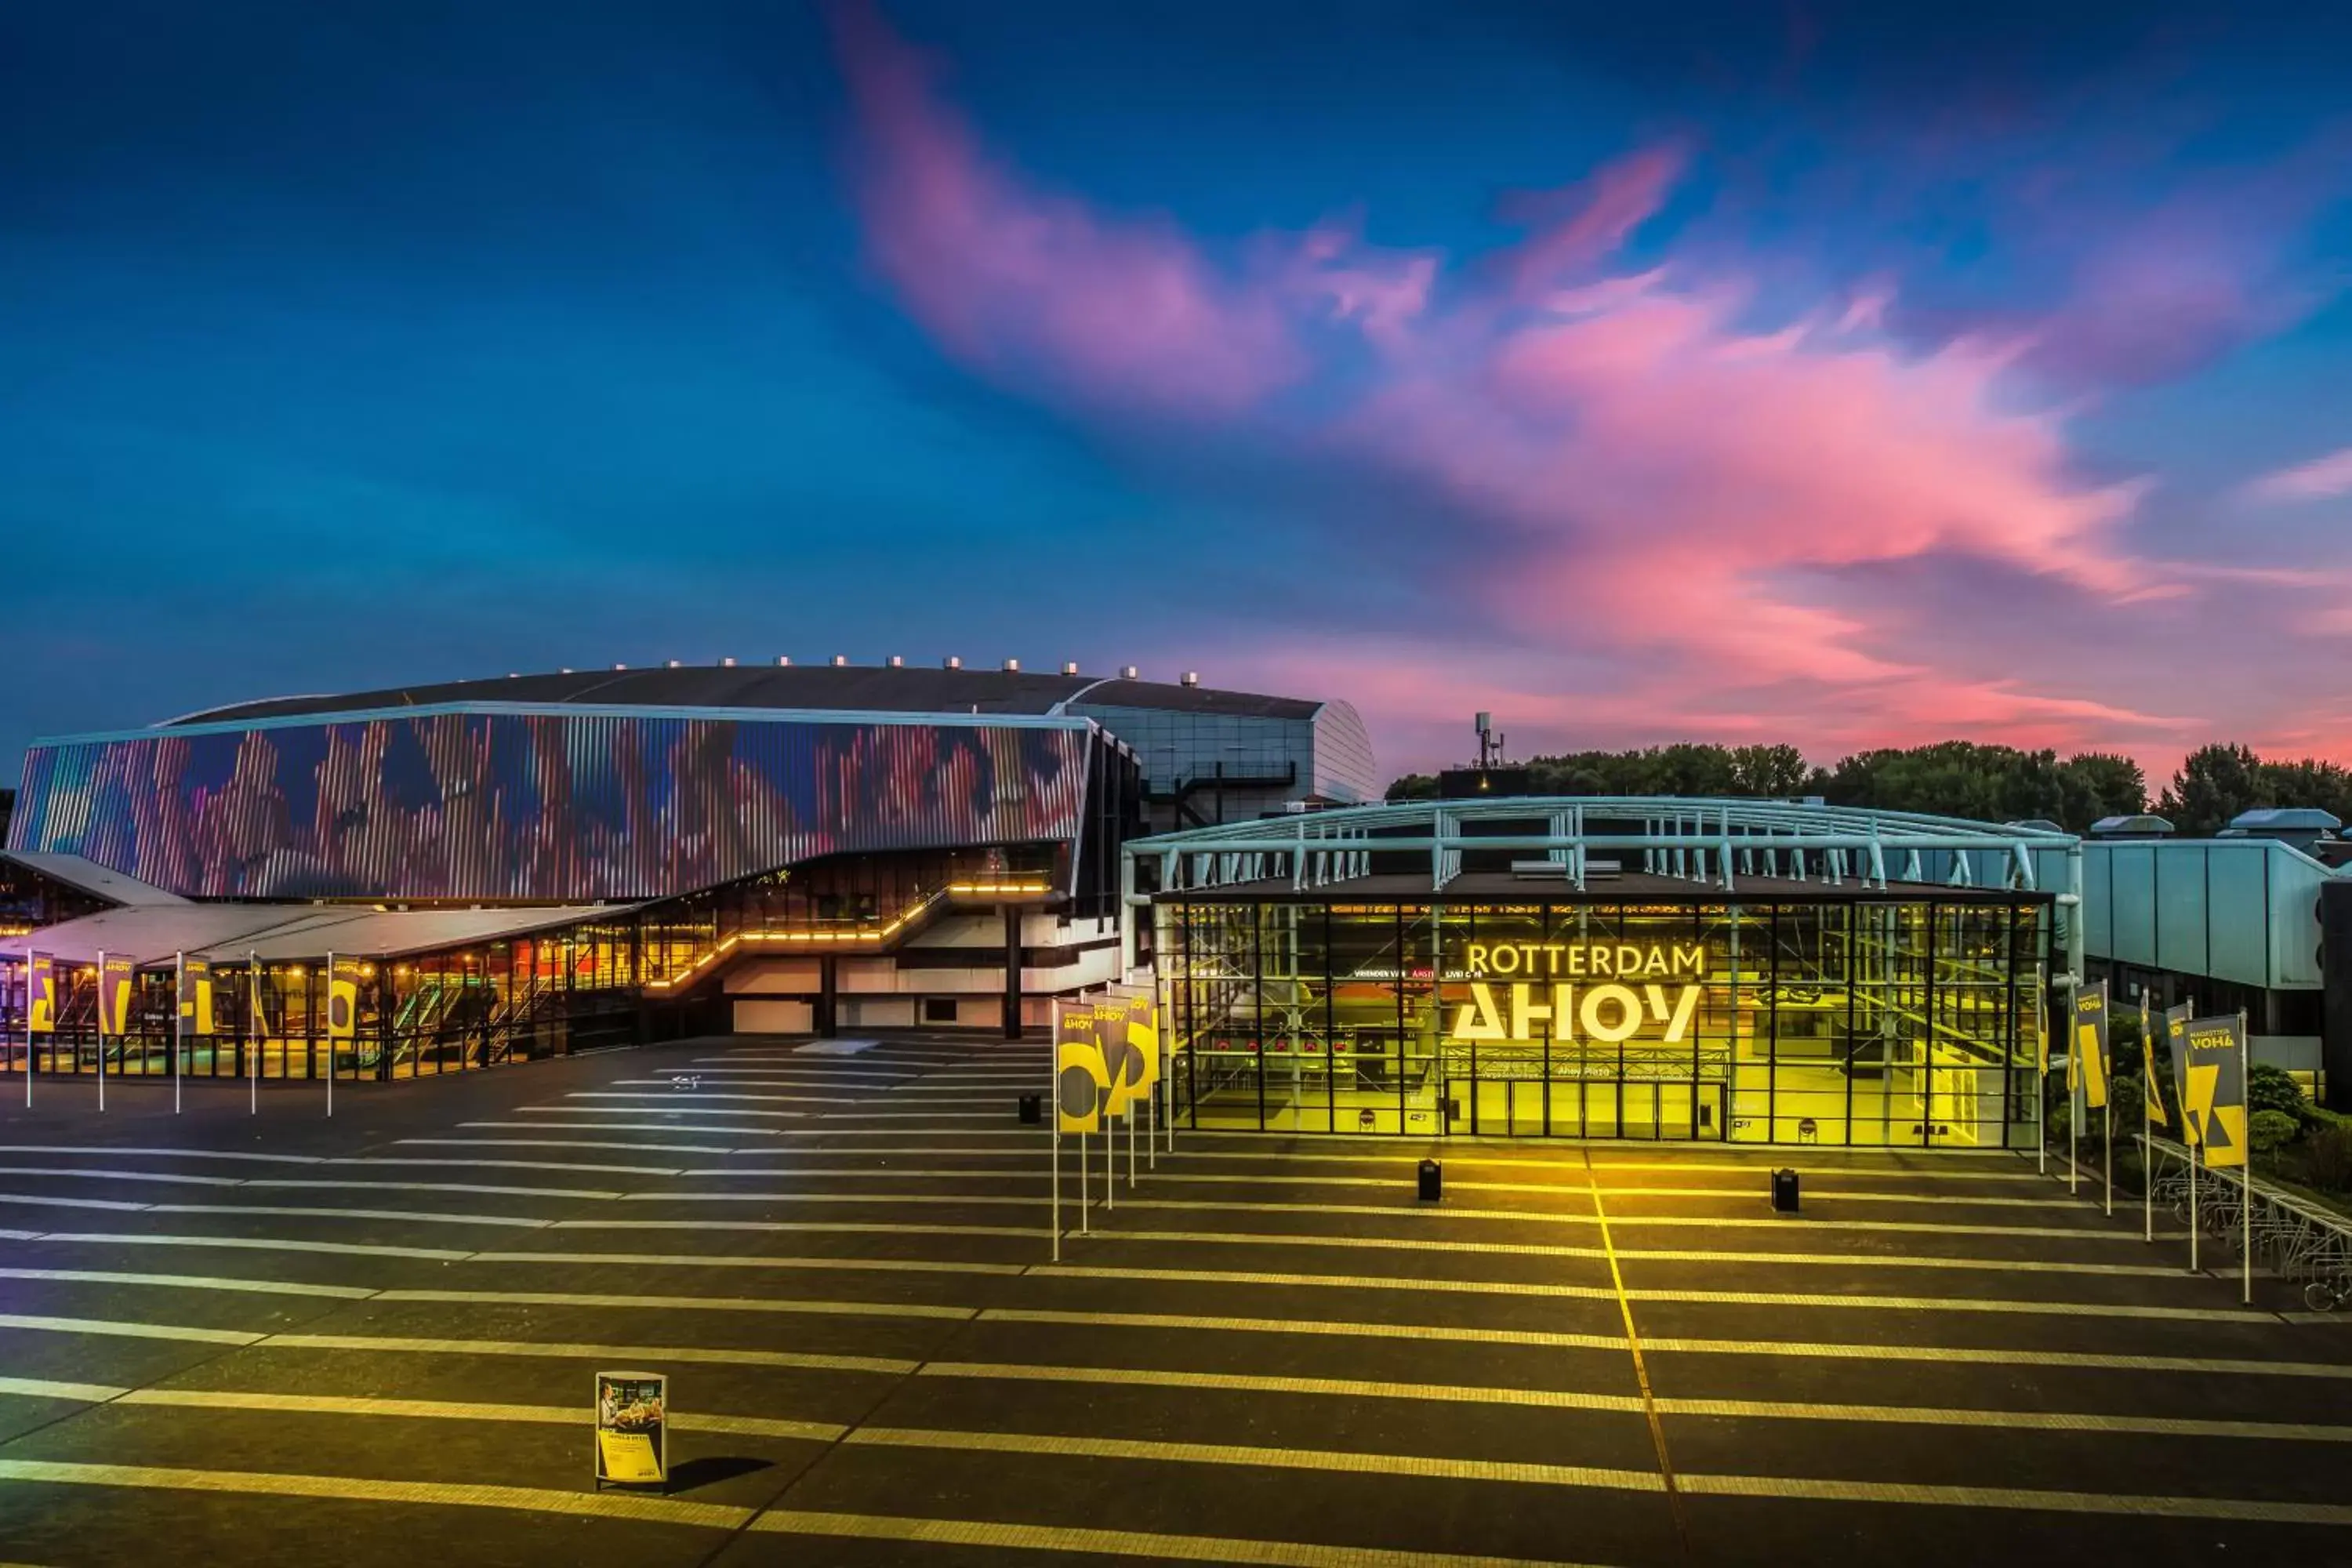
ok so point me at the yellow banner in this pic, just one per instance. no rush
(196, 996)
(627, 1457)
(40, 993)
(2152, 1097)
(114, 997)
(2086, 1064)
(343, 999)
(1128, 1030)
(1081, 1077)
(2213, 1102)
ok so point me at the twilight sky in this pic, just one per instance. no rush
(1718, 371)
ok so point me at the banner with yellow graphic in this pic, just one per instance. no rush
(631, 1428)
(2040, 1024)
(2213, 1100)
(114, 975)
(2157, 1032)
(1126, 1028)
(196, 996)
(2086, 1063)
(40, 993)
(343, 999)
(1081, 1076)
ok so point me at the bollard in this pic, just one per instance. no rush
(1432, 1178)
(1784, 1190)
(1033, 1109)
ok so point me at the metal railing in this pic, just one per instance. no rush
(2306, 1244)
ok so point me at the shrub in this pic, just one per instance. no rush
(2271, 1130)
(2329, 1159)
(2270, 1088)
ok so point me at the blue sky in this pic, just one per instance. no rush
(1391, 351)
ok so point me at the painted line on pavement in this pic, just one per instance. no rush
(712, 1261)
(1346, 1461)
(619, 1127)
(658, 1108)
(404, 1216)
(34, 1200)
(41, 1388)
(252, 1243)
(190, 1282)
(562, 1144)
(1705, 1298)
(1557, 1217)
(1448, 1394)
(114, 1328)
(368, 1343)
(355, 1488)
(876, 1172)
(686, 1304)
(644, 1101)
(2247, 1511)
(508, 1165)
(2009, 1420)
(1004, 1536)
(87, 1173)
(1392, 1183)
(376, 1185)
(1564, 1161)
(165, 1154)
(850, 1228)
(546, 1415)
(1540, 1250)
(950, 1200)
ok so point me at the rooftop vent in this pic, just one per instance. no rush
(565, 670)
(1070, 668)
(841, 661)
(673, 664)
(620, 667)
(898, 663)
(1012, 666)
(783, 661)
(2302, 825)
(1531, 870)
(727, 663)
(2142, 826)
(1127, 672)
(512, 675)
(1191, 678)
(951, 662)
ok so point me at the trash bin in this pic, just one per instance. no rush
(1784, 1192)
(1432, 1178)
(1033, 1109)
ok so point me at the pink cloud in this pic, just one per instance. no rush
(1668, 521)
(1014, 280)
(2318, 479)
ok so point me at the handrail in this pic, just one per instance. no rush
(2298, 1237)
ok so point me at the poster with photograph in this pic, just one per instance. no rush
(631, 1428)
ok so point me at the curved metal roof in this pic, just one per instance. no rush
(871, 689)
(1740, 819)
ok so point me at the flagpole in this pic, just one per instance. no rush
(331, 1032)
(253, 1067)
(2147, 1125)
(2196, 1157)
(1111, 1174)
(179, 1033)
(2246, 1171)
(2040, 1072)
(101, 1031)
(1054, 1110)
(2073, 1092)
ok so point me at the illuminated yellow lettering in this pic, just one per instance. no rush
(1678, 1020)
(1629, 1012)
(1629, 960)
(1563, 1011)
(1596, 959)
(1503, 960)
(1690, 959)
(1478, 1020)
(1526, 1012)
(1477, 961)
(1577, 957)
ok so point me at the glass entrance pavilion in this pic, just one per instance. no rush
(1750, 971)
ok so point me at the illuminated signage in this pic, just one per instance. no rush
(1593, 990)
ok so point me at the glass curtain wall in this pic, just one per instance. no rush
(1869, 1021)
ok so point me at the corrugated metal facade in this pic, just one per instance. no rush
(569, 807)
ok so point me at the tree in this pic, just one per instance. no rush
(2215, 784)
(2099, 784)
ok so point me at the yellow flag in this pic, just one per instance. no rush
(40, 993)
(114, 994)
(2151, 1096)
(343, 999)
(2213, 1102)
(1081, 1078)
(196, 996)
(2087, 1063)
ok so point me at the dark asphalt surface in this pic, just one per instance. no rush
(281, 1338)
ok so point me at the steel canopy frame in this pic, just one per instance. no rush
(1712, 842)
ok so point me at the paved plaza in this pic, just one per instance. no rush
(281, 1338)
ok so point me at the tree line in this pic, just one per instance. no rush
(1949, 778)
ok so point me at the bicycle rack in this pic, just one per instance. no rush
(2305, 1243)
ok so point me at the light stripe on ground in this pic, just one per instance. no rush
(713, 1260)
(915, 1115)
(618, 1127)
(503, 1192)
(370, 1342)
(2007, 1420)
(1714, 1298)
(1564, 1161)
(2247, 1511)
(948, 1200)
(121, 1331)
(189, 1282)
(563, 1143)
(878, 1172)
(645, 1101)
(1706, 1222)
(658, 1108)
(1540, 1250)
(510, 1164)
(547, 1415)
(852, 1227)
(354, 1489)
(35, 1200)
(1397, 1183)
(89, 1173)
(253, 1243)
(1348, 1461)
(1002, 1536)
(685, 1303)
(2087, 1360)
(41, 1388)
(861, 1152)
(1451, 1393)
(404, 1216)
(159, 1153)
